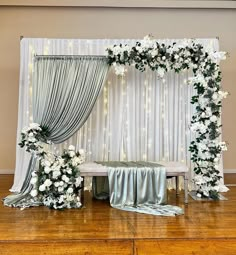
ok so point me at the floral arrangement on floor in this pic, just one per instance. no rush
(206, 123)
(57, 182)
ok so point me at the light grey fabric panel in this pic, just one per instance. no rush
(23, 198)
(65, 91)
(140, 190)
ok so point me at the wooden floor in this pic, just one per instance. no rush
(207, 227)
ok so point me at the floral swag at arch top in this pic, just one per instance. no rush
(206, 122)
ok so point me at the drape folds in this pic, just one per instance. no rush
(65, 90)
(140, 190)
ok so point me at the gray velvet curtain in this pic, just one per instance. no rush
(65, 90)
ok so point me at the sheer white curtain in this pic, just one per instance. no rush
(137, 117)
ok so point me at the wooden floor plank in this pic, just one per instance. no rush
(185, 247)
(116, 247)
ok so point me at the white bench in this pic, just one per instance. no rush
(173, 169)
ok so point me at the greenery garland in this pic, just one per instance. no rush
(206, 122)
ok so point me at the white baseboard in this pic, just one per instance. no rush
(7, 171)
(229, 171)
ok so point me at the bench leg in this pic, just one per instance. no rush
(177, 185)
(185, 189)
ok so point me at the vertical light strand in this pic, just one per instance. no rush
(127, 126)
(124, 119)
(109, 134)
(166, 109)
(105, 113)
(146, 117)
(30, 73)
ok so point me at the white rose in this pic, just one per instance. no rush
(70, 190)
(163, 58)
(34, 193)
(55, 174)
(42, 187)
(47, 169)
(213, 118)
(48, 183)
(71, 154)
(60, 189)
(215, 96)
(199, 195)
(56, 184)
(176, 56)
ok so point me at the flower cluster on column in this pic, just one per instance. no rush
(56, 183)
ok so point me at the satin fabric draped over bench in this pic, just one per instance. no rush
(137, 187)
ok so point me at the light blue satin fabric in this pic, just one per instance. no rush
(139, 188)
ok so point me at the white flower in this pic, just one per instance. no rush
(71, 154)
(56, 174)
(71, 148)
(215, 96)
(56, 184)
(223, 94)
(34, 180)
(217, 56)
(42, 187)
(47, 169)
(69, 171)
(163, 58)
(199, 195)
(223, 146)
(176, 56)
(34, 174)
(160, 72)
(60, 189)
(78, 181)
(32, 139)
(65, 178)
(48, 183)
(154, 53)
(35, 126)
(213, 118)
(34, 193)
(47, 163)
(81, 152)
(70, 190)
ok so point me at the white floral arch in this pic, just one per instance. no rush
(206, 122)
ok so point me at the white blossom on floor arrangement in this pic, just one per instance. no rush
(56, 183)
(206, 123)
